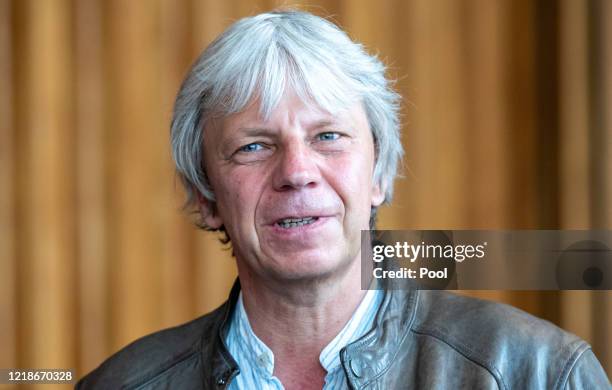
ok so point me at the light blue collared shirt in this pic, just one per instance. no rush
(256, 360)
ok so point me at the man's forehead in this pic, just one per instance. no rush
(289, 112)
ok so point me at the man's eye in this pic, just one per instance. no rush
(254, 147)
(328, 136)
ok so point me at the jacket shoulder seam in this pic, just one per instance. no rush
(465, 351)
(570, 364)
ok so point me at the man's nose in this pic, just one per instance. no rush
(296, 167)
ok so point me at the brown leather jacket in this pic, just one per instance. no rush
(422, 340)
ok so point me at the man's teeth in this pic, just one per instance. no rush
(288, 223)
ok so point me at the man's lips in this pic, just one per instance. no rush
(293, 214)
(292, 222)
(297, 217)
(292, 226)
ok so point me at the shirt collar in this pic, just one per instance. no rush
(254, 350)
(262, 357)
(359, 324)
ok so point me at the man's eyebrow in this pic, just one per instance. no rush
(264, 131)
(325, 123)
(254, 131)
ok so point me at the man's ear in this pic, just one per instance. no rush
(378, 193)
(208, 212)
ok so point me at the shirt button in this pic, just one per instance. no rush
(356, 368)
(262, 360)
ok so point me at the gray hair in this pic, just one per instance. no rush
(258, 58)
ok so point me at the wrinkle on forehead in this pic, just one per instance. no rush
(293, 112)
(259, 109)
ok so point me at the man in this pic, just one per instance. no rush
(286, 136)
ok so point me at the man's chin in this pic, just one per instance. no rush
(310, 270)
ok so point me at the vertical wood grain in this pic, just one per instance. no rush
(520, 88)
(601, 158)
(440, 118)
(403, 23)
(606, 103)
(510, 153)
(576, 306)
(8, 293)
(47, 266)
(216, 271)
(364, 21)
(135, 127)
(209, 19)
(178, 261)
(574, 124)
(488, 132)
(92, 159)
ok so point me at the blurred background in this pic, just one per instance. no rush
(507, 124)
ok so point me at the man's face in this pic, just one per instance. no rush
(293, 191)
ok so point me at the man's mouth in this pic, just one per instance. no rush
(288, 223)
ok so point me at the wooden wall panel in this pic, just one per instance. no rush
(178, 261)
(135, 154)
(488, 130)
(575, 124)
(440, 98)
(8, 285)
(577, 306)
(47, 276)
(405, 24)
(606, 102)
(522, 114)
(92, 184)
(603, 301)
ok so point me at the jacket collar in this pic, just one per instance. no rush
(371, 356)
(363, 360)
(219, 367)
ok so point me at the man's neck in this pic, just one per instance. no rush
(297, 321)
